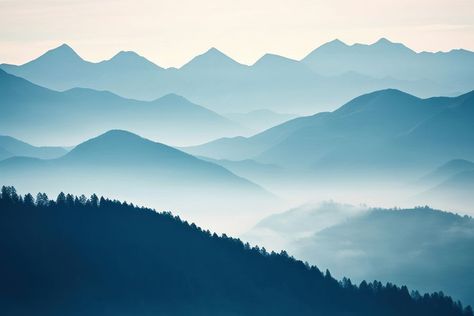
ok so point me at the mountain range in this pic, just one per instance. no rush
(40, 115)
(387, 59)
(330, 75)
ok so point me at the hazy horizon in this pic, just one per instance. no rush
(172, 33)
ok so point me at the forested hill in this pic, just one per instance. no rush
(91, 256)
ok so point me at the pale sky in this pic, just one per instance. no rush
(170, 32)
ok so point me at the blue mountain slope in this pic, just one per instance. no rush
(40, 115)
(384, 129)
(14, 147)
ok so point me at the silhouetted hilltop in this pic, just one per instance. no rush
(77, 256)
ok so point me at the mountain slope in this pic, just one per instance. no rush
(110, 258)
(386, 129)
(122, 164)
(40, 115)
(62, 68)
(13, 147)
(435, 250)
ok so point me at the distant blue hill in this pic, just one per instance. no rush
(330, 75)
(62, 69)
(40, 115)
(383, 130)
(10, 147)
(434, 251)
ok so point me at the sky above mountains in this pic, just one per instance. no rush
(170, 33)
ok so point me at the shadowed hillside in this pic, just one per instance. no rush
(79, 256)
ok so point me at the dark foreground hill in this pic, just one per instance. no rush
(78, 256)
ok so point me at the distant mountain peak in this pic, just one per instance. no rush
(390, 93)
(338, 47)
(126, 54)
(269, 58)
(213, 50)
(64, 52)
(172, 97)
(382, 98)
(383, 41)
(131, 58)
(336, 43)
(334, 46)
(211, 58)
(119, 133)
(64, 46)
(215, 53)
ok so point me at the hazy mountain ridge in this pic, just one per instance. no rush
(10, 147)
(40, 115)
(375, 130)
(384, 58)
(273, 82)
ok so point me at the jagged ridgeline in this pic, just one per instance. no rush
(91, 256)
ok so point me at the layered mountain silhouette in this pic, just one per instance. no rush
(433, 252)
(10, 147)
(103, 257)
(384, 130)
(41, 115)
(63, 69)
(387, 59)
(122, 164)
(330, 75)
